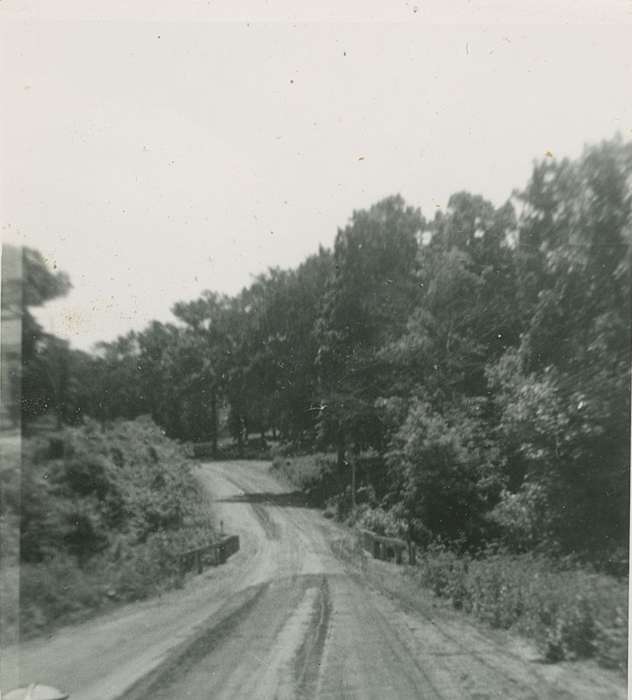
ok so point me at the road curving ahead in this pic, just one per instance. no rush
(289, 617)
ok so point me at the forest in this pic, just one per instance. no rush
(469, 369)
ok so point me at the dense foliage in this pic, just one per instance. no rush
(569, 611)
(103, 514)
(480, 358)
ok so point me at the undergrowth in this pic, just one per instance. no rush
(570, 611)
(102, 514)
(313, 474)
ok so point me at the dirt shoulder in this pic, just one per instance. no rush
(460, 635)
(298, 612)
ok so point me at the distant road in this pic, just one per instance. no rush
(287, 618)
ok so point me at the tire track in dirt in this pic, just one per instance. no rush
(323, 622)
(407, 660)
(491, 674)
(253, 652)
(268, 525)
(461, 660)
(448, 681)
(364, 657)
(446, 675)
(307, 662)
(215, 631)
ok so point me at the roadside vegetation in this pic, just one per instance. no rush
(461, 379)
(313, 474)
(568, 609)
(102, 515)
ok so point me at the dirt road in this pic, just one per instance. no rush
(288, 617)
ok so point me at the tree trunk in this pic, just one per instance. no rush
(353, 481)
(214, 422)
(411, 546)
(246, 429)
(340, 457)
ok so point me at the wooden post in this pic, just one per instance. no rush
(340, 457)
(412, 553)
(411, 545)
(353, 458)
(353, 482)
(214, 421)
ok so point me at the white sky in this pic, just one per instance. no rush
(156, 152)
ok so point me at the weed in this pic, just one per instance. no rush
(569, 611)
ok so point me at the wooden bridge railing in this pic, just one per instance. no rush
(209, 555)
(387, 548)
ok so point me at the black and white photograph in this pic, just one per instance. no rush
(315, 349)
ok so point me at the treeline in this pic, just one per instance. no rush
(474, 366)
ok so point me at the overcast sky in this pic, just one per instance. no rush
(154, 159)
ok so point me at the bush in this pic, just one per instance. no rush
(340, 506)
(444, 572)
(325, 486)
(611, 638)
(381, 522)
(254, 448)
(315, 475)
(138, 572)
(56, 590)
(104, 516)
(569, 611)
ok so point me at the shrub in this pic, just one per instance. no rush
(55, 590)
(104, 517)
(315, 475)
(254, 448)
(382, 522)
(339, 506)
(444, 572)
(569, 611)
(611, 638)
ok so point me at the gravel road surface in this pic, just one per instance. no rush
(290, 617)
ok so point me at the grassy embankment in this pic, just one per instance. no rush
(102, 514)
(568, 609)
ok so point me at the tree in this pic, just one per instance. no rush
(44, 358)
(207, 344)
(157, 376)
(466, 301)
(366, 305)
(280, 311)
(440, 427)
(118, 370)
(450, 471)
(564, 395)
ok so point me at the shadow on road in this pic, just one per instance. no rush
(290, 499)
